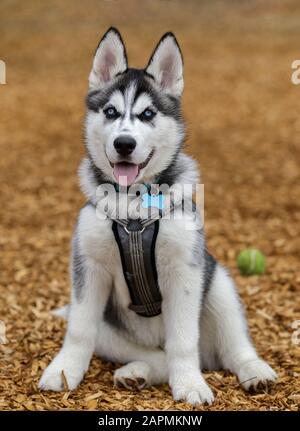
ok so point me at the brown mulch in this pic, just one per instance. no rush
(244, 128)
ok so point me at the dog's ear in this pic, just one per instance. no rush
(110, 59)
(166, 65)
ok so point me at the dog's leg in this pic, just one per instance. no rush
(83, 322)
(144, 366)
(181, 307)
(223, 319)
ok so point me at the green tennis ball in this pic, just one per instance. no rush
(251, 261)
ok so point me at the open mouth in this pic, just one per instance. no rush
(125, 173)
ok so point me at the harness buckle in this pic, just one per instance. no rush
(139, 231)
(134, 226)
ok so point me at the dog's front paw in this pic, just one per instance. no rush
(193, 389)
(256, 375)
(134, 375)
(63, 372)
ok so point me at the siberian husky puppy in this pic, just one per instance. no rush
(134, 135)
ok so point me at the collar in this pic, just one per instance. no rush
(121, 189)
(149, 187)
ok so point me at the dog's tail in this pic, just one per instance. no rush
(62, 312)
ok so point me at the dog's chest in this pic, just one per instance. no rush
(172, 248)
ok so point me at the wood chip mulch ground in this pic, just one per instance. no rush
(244, 129)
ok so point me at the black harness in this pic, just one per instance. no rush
(136, 240)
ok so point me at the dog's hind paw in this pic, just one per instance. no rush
(256, 375)
(133, 376)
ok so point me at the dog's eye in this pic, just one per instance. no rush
(147, 115)
(111, 113)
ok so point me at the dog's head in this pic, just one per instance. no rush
(134, 128)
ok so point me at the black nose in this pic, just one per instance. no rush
(124, 145)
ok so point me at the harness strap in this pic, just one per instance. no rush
(136, 244)
(136, 240)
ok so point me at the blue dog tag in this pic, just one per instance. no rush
(157, 201)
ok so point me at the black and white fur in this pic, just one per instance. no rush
(202, 324)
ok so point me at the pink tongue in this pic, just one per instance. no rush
(125, 173)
